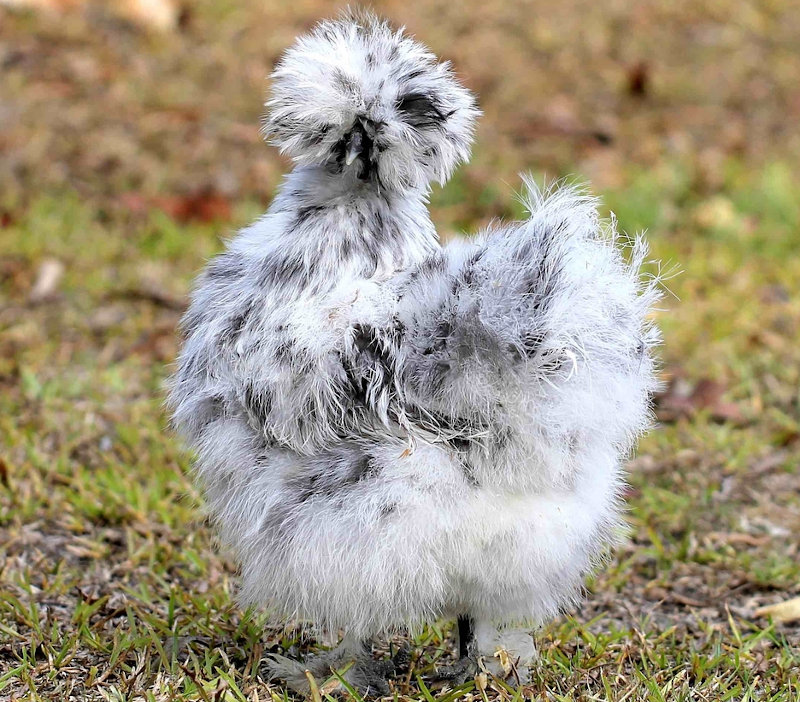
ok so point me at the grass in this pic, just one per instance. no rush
(110, 584)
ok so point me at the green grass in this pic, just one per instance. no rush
(111, 587)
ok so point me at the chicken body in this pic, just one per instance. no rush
(388, 431)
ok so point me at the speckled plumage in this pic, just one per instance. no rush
(389, 431)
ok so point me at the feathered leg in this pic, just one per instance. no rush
(505, 653)
(466, 666)
(466, 636)
(352, 659)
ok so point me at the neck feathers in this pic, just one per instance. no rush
(342, 226)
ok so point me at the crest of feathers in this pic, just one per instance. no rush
(360, 67)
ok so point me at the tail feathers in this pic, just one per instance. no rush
(570, 208)
(543, 295)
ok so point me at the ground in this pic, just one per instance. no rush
(128, 155)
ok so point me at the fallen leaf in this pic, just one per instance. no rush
(202, 206)
(4, 472)
(639, 79)
(48, 277)
(161, 15)
(505, 661)
(706, 393)
(788, 611)
(680, 399)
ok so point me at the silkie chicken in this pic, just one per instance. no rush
(389, 432)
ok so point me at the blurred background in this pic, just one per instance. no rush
(130, 148)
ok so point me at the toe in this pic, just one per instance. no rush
(402, 658)
(370, 677)
(462, 670)
(290, 671)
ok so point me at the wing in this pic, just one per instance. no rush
(276, 353)
(524, 313)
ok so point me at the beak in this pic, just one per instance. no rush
(356, 144)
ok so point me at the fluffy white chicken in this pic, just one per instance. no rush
(389, 432)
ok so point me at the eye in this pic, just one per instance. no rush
(419, 110)
(414, 103)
